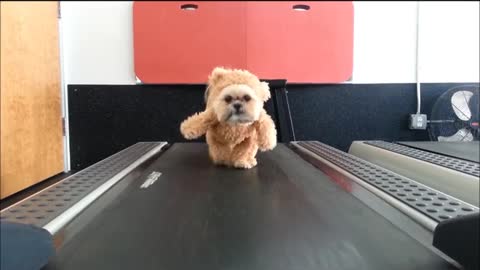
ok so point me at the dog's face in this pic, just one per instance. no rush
(237, 104)
(236, 96)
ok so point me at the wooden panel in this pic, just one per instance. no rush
(269, 38)
(173, 45)
(31, 127)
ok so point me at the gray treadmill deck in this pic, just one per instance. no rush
(465, 150)
(283, 214)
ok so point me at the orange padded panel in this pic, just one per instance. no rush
(172, 45)
(271, 39)
(315, 45)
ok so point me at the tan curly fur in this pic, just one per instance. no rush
(234, 120)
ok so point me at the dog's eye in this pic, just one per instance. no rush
(228, 99)
(247, 98)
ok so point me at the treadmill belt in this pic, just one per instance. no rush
(283, 214)
(464, 150)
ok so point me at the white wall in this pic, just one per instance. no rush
(384, 42)
(98, 42)
(449, 41)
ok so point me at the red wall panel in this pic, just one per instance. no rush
(302, 46)
(271, 39)
(172, 45)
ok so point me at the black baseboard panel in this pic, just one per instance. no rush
(104, 119)
(339, 114)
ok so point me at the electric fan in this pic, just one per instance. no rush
(455, 115)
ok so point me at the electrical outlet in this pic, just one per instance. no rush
(418, 121)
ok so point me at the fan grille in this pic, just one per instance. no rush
(455, 115)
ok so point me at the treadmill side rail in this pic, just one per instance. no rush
(55, 206)
(416, 198)
(457, 164)
(360, 177)
(434, 170)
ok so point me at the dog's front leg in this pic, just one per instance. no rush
(197, 124)
(243, 154)
(266, 132)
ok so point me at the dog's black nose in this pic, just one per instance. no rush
(237, 106)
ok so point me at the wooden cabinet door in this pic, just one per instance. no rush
(31, 120)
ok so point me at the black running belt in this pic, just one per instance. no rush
(283, 214)
(464, 150)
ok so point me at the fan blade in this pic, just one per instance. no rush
(460, 104)
(463, 135)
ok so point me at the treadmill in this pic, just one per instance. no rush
(306, 205)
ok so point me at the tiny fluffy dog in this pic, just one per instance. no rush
(234, 121)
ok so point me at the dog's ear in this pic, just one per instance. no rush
(264, 91)
(214, 78)
(217, 74)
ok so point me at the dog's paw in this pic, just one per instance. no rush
(268, 144)
(271, 142)
(253, 162)
(245, 164)
(188, 133)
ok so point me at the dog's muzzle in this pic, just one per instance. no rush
(237, 108)
(238, 115)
